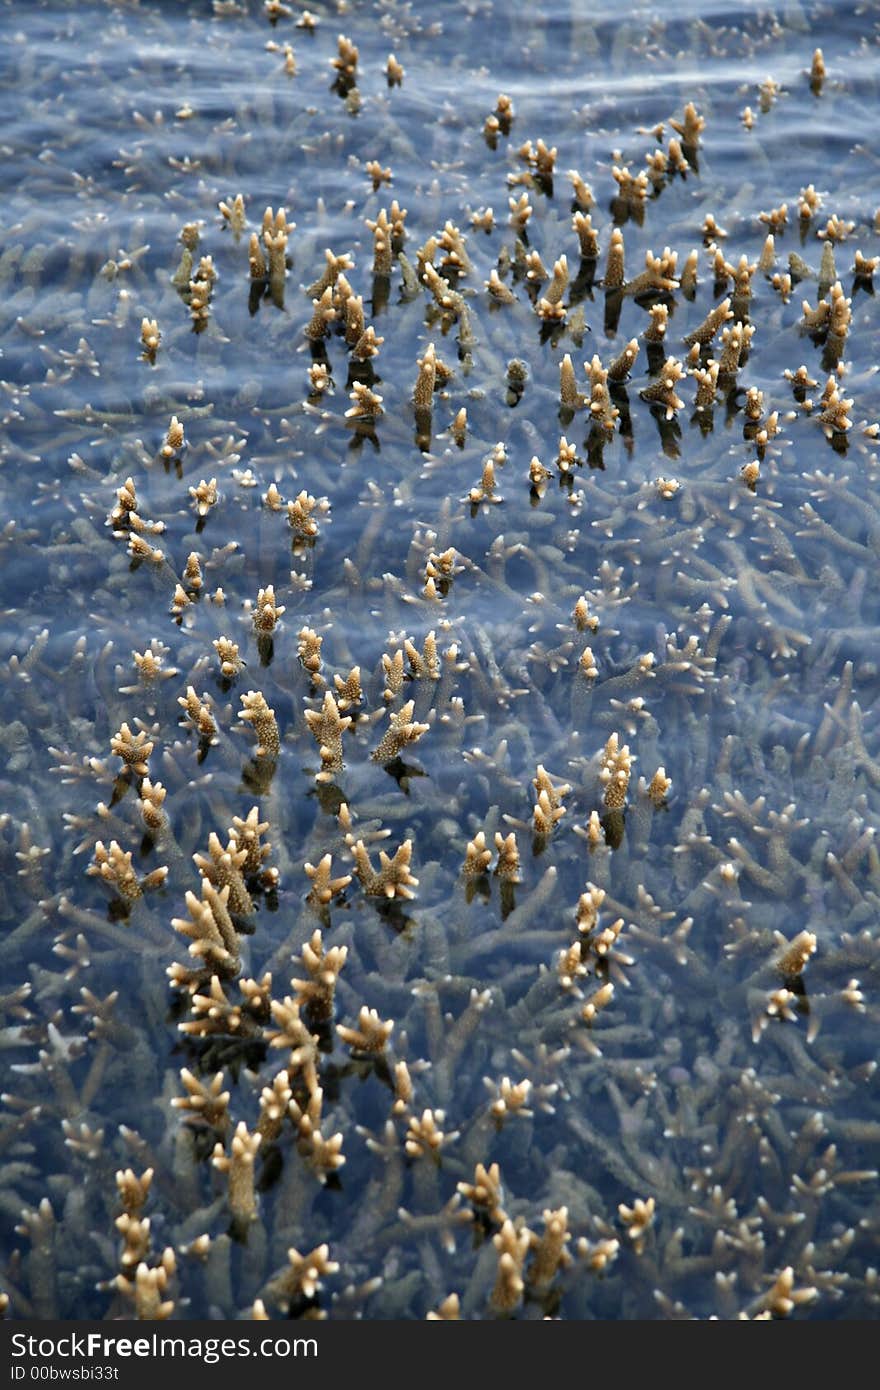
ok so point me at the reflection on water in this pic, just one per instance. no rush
(558, 593)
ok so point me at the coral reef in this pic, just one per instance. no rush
(441, 763)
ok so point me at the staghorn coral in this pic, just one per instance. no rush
(550, 306)
(658, 277)
(689, 1046)
(303, 1276)
(402, 730)
(371, 1034)
(615, 773)
(247, 832)
(324, 887)
(512, 1244)
(322, 967)
(198, 712)
(614, 265)
(394, 879)
(113, 865)
(205, 1103)
(663, 392)
(637, 1221)
(257, 713)
(133, 749)
(714, 320)
(238, 1166)
(588, 240)
(691, 127)
(327, 726)
(266, 611)
(549, 809)
(213, 935)
(222, 868)
(603, 413)
(151, 337)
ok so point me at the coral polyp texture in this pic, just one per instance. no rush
(438, 663)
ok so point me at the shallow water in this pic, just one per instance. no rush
(749, 1116)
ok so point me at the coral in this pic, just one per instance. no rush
(305, 1273)
(691, 127)
(658, 277)
(394, 878)
(713, 321)
(402, 730)
(394, 71)
(324, 887)
(327, 726)
(316, 993)
(512, 1245)
(615, 772)
(637, 1220)
(150, 338)
(266, 612)
(113, 865)
(209, 925)
(614, 271)
(587, 236)
(549, 306)
(222, 868)
(663, 391)
(611, 1053)
(371, 1034)
(238, 1166)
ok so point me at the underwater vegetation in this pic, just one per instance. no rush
(439, 661)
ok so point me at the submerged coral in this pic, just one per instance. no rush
(439, 871)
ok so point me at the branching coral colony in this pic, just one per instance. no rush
(439, 870)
